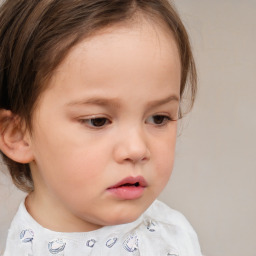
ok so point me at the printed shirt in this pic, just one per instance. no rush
(160, 231)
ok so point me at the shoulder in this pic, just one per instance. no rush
(168, 216)
(173, 229)
(19, 232)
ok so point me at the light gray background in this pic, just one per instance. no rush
(214, 179)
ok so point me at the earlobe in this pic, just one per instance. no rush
(14, 139)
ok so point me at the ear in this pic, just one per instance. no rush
(14, 138)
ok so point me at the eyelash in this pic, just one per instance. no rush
(164, 120)
(104, 121)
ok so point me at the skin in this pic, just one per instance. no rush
(128, 77)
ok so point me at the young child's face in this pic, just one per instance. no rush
(103, 122)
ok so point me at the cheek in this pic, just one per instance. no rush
(71, 177)
(165, 165)
(75, 168)
(164, 153)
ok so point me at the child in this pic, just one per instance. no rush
(90, 94)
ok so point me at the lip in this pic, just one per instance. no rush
(131, 180)
(129, 188)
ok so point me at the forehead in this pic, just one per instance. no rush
(140, 54)
(121, 45)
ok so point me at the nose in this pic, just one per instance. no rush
(131, 146)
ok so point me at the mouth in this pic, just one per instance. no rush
(129, 188)
(131, 182)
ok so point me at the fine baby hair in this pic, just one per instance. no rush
(90, 95)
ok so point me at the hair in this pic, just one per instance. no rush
(36, 35)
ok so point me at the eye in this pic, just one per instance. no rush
(97, 122)
(159, 120)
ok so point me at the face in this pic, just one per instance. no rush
(104, 131)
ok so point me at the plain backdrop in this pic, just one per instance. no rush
(214, 179)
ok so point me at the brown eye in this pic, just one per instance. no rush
(159, 119)
(98, 122)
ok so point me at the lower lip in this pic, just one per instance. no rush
(127, 192)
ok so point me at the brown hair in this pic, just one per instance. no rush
(36, 35)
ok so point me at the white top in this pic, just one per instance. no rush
(160, 231)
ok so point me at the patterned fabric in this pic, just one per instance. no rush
(160, 231)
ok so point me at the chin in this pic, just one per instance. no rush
(124, 216)
(123, 220)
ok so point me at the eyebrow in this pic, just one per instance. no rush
(112, 102)
(115, 103)
(160, 102)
